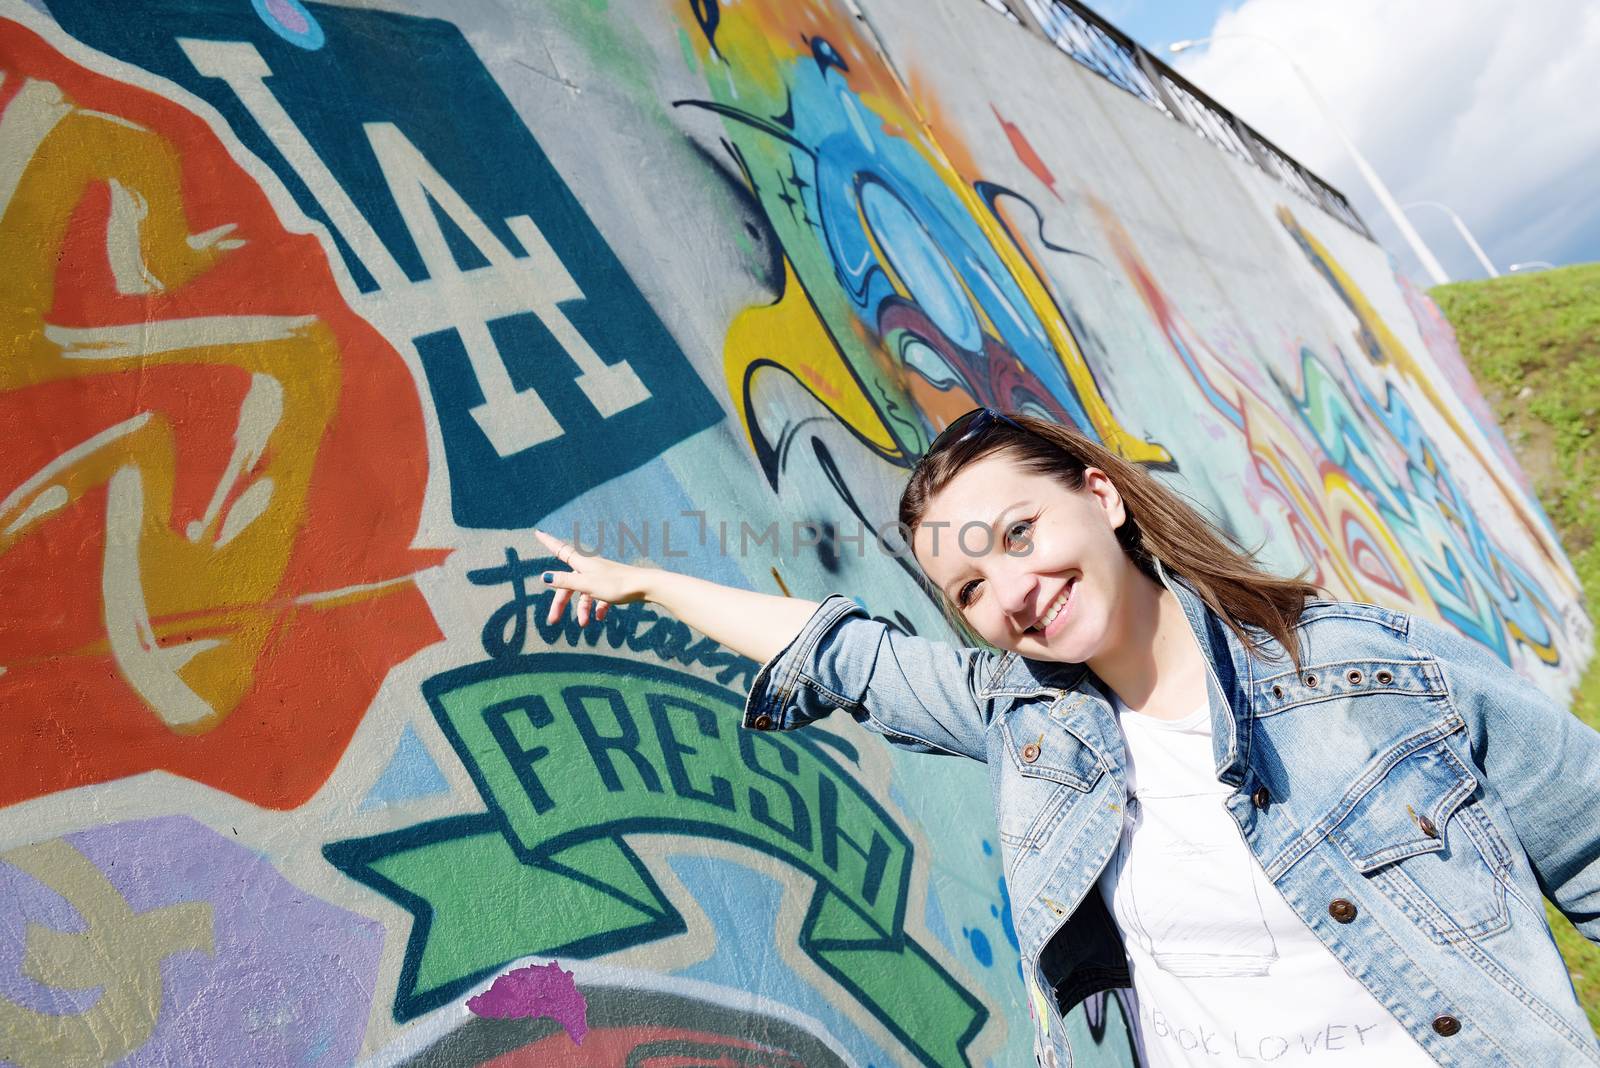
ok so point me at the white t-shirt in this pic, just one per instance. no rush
(1224, 972)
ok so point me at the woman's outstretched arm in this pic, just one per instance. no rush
(758, 625)
(918, 693)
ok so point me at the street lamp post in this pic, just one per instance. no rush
(1477, 249)
(1429, 262)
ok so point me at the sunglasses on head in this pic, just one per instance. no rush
(971, 425)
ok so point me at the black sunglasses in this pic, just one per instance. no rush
(971, 425)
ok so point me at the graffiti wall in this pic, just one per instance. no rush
(311, 311)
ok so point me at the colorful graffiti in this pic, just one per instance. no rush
(577, 756)
(494, 276)
(310, 310)
(657, 1026)
(1371, 501)
(114, 936)
(1382, 347)
(903, 300)
(197, 526)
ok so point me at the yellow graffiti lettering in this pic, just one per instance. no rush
(120, 951)
(1390, 350)
(184, 612)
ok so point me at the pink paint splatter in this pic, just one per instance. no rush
(287, 16)
(536, 990)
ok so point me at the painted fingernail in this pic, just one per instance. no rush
(549, 576)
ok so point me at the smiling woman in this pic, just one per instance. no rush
(1067, 568)
(1300, 830)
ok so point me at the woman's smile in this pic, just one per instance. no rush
(1055, 617)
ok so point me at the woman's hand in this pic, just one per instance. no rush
(756, 625)
(598, 583)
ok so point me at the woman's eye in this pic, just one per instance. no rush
(964, 595)
(1023, 525)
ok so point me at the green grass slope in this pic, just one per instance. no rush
(1533, 343)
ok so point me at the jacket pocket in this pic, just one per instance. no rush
(1043, 767)
(1421, 835)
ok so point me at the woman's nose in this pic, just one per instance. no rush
(1014, 593)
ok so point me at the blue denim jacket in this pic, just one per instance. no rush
(1402, 771)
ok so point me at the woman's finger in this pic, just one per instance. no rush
(558, 605)
(561, 550)
(601, 608)
(559, 581)
(585, 601)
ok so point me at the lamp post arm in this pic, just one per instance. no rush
(1461, 228)
(1477, 250)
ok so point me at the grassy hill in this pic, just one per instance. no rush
(1533, 343)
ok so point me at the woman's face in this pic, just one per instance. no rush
(1033, 566)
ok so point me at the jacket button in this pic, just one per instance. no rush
(1030, 752)
(1261, 798)
(1446, 1025)
(1341, 910)
(1428, 827)
(763, 722)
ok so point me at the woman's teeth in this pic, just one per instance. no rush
(1055, 609)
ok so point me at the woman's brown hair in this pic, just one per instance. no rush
(1159, 524)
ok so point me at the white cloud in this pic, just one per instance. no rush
(1485, 106)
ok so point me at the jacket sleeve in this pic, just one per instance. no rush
(918, 693)
(1542, 762)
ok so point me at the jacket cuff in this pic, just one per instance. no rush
(770, 705)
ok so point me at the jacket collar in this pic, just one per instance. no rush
(1017, 676)
(1227, 678)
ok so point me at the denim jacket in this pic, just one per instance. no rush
(1409, 795)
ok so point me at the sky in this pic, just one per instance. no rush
(1484, 106)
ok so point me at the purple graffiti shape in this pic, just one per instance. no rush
(291, 19)
(536, 990)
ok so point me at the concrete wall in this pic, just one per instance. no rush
(311, 311)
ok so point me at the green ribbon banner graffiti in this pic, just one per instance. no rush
(573, 754)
